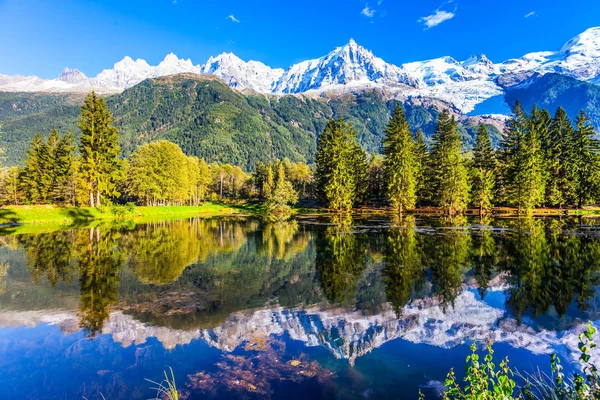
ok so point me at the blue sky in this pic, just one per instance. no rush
(42, 37)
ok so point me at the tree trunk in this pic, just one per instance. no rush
(98, 198)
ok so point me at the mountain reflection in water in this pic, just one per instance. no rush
(277, 304)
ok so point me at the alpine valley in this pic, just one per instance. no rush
(230, 110)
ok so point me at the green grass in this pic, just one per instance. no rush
(72, 215)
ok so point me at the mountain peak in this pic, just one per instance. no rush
(586, 43)
(73, 76)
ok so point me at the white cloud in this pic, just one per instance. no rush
(531, 14)
(436, 18)
(368, 12)
(232, 18)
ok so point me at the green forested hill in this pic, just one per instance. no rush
(553, 90)
(209, 119)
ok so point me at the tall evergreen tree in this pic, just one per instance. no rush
(540, 121)
(281, 196)
(522, 158)
(563, 177)
(587, 159)
(63, 190)
(36, 180)
(341, 165)
(449, 173)
(483, 171)
(400, 163)
(422, 152)
(359, 169)
(323, 160)
(99, 148)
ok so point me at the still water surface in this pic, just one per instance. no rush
(314, 308)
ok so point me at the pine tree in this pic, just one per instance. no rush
(341, 166)
(360, 168)
(522, 162)
(587, 159)
(323, 160)
(281, 196)
(541, 121)
(99, 148)
(563, 177)
(483, 171)
(510, 164)
(449, 173)
(422, 153)
(63, 190)
(400, 163)
(35, 177)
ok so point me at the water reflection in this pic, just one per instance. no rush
(404, 271)
(213, 267)
(346, 286)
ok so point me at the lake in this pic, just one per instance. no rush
(319, 307)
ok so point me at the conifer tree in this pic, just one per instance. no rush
(63, 190)
(522, 158)
(483, 171)
(514, 133)
(423, 174)
(99, 148)
(587, 159)
(563, 177)
(449, 173)
(540, 121)
(359, 169)
(341, 166)
(323, 160)
(400, 163)
(281, 196)
(34, 181)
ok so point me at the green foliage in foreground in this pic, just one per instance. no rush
(485, 380)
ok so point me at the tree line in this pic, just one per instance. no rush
(541, 161)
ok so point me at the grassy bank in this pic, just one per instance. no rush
(70, 215)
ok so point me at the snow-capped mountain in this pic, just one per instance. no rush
(349, 65)
(72, 76)
(242, 75)
(464, 84)
(346, 335)
(122, 75)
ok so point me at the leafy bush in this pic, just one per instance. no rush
(484, 380)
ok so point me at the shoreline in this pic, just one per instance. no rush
(50, 214)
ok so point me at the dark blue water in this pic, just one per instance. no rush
(308, 309)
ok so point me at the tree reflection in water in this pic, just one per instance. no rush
(341, 258)
(195, 273)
